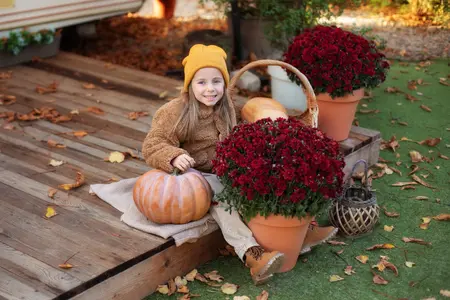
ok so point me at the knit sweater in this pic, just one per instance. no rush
(162, 144)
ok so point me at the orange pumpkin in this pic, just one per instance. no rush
(176, 199)
(259, 108)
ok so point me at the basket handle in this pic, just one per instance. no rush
(310, 96)
(365, 171)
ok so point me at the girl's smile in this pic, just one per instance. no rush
(208, 86)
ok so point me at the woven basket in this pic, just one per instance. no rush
(356, 211)
(310, 116)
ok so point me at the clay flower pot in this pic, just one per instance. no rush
(336, 115)
(281, 234)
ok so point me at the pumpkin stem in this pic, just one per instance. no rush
(176, 171)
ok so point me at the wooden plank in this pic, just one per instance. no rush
(13, 289)
(369, 153)
(358, 138)
(35, 271)
(143, 279)
(127, 80)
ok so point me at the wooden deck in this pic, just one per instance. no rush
(110, 259)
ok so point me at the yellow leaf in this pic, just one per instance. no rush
(362, 258)
(183, 289)
(52, 192)
(380, 266)
(55, 163)
(191, 275)
(426, 220)
(163, 289)
(213, 275)
(424, 226)
(415, 156)
(79, 181)
(229, 288)
(51, 212)
(388, 228)
(179, 282)
(116, 157)
(334, 278)
(65, 266)
(409, 264)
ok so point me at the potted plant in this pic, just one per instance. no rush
(339, 65)
(279, 175)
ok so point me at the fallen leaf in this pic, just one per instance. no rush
(417, 179)
(414, 240)
(414, 168)
(369, 111)
(334, 278)
(380, 266)
(362, 258)
(377, 279)
(65, 266)
(51, 192)
(163, 289)
(163, 94)
(79, 181)
(426, 219)
(229, 288)
(179, 282)
(396, 170)
(409, 264)
(424, 226)
(7, 99)
(442, 217)
(172, 287)
(241, 298)
(445, 293)
(79, 134)
(349, 270)
(214, 275)
(403, 123)
(381, 246)
(421, 198)
(51, 88)
(74, 112)
(412, 85)
(411, 98)
(183, 289)
(390, 214)
(6, 75)
(95, 110)
(431, 142)
(390, 266)
(335, 243)
(263, 296)
(391, 144)
(393, 90)
(55, 144)
(443, 81)
(116, 157)
(425, 108)
(442, 156)
(55, 163)
(415, 156)
(89, 86)
(8, 126)
(404, 183)
(388, 228)
(134, 115)
(50, 212)
(191, 275)
(408, 187)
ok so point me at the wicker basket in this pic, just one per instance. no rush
(310, 116)
(356, 211)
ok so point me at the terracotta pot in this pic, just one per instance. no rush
(336, 115)
(281, 234)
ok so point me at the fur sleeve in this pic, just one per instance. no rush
(162, 145)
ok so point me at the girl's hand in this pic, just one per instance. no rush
(183, 162)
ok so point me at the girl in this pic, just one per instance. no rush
(184, 134)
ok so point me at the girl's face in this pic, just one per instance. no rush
(208, 86)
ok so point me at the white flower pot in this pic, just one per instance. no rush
(285, 91)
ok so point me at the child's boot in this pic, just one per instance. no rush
(317, 235)
(263, 264)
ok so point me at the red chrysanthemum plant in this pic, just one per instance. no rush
(278, 168)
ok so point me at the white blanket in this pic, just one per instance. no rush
(120, 196)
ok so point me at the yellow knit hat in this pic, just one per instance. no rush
(201, 56)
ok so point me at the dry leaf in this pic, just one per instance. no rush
(445, 293)
(79, 134)
(163, 94)
(362, 258)
(414, 168)
(116, 157)
(50, 212)
(95, 110)
(381, 246)
(55, 163)
(55, 144)
(380, 266)
(390, 266)
(335, 243)
(65, 266)
(421, 198)
(7, 99)
(172, 287)
(411, 98)
(74, 112)
(349, 270)
(229, 288)
(179, 282)
(49, 89)
(404, 183)
(443, 81)
(425, 108)
(396, 170)
(263, 296)
(414, 240)
(79, 181)
(8, 126)
(241, 298)
(442, 217)
(388, 228)
(431, 142)
(369, 111)
(392, 90)
(6, 75)
(191, 275)
(163, 289)
(424, 226)
(334, 278)
(183, 289)
(51, 192)
(442, 156)
(409, 264)
(201, 278)
(391, 144)
(214, 275)
(377, 279)
(408, 187)
(412, 85)
(134, 115)
(89, 86)
(403, 123)
(415, 156)
(417, 178)
(390, 214)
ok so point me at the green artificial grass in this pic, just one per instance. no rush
(310, 278)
